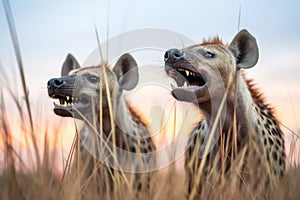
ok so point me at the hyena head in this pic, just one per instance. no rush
(81, 91)
(203, 71)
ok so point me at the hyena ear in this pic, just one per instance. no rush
(244, 49)
(126, 71)
(69, 64)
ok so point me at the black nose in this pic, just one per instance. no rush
(173, 55)
(55, 83)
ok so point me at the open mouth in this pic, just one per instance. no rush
(190, 84)
(186, 78)
(67, 104)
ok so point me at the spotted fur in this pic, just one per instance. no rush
(128, 132)
(247, 128)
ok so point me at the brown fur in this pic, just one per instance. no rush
(121, 126)
(248, 136)
(214, 40)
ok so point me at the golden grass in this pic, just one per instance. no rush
(19, 180)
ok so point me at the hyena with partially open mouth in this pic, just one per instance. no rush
(113, 132)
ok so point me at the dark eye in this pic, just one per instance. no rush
(93, 79)
(209, 55)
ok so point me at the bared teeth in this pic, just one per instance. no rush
(185, 85)
(187, 72)
(65, 101)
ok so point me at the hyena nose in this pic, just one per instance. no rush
(55, 83)
(173, 55)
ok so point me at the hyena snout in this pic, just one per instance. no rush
(55, 83)
(173, 55)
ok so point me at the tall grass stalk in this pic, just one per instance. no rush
(15, 41)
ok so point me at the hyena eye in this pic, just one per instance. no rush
(93, 79)
(209, 55)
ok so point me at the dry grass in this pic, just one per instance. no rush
(22, 178)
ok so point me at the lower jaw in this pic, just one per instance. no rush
(184, 96)
(191, 94)
(74, 112)
(63, 112)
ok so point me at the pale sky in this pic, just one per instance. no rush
(49, 30)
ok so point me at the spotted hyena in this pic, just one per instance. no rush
(113, 131)
(210, 76)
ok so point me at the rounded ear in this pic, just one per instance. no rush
(69, 64)
(244, 49)
(126, 71)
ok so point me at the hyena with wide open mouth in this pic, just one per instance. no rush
(234, 114)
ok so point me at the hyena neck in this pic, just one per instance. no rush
(99, 135)
(239, 103)
(122, 122)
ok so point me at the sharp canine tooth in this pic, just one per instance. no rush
(187, 72)
(185, 84)
(172, 86)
